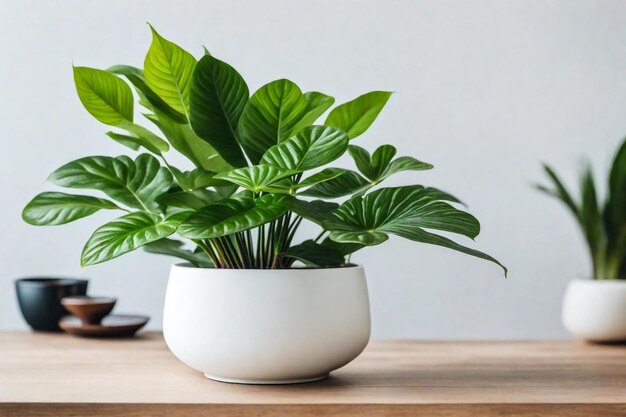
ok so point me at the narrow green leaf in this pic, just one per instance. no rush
(234, 215)
(133, 183)
(271, 116)
(218, 96)
(345, 184)
(311, 147)
(256, 178)
(126, 234)
(314, 254)
(53, 208)
(420, 235)
(126, 140)
(175, 248)
(167, 70)
(105, 96)
(356, 116)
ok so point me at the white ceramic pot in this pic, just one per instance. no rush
(595, 310)
(266, 326)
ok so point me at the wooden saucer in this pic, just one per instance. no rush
(114, 325)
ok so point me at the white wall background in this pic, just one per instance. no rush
(485, 91)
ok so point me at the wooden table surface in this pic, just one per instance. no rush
(62, 375)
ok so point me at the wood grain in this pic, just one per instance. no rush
(55, 374)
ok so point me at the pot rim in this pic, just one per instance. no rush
(189, 265)
(596, 281)
(50, 281)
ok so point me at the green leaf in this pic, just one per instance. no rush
(133, 183)
(196, 179)
(349, 182)
(256, 178)
(314, 254)
(317, 211)
(110, 100)
(271, 116)
(404, 163)
(559, 191)
(406, 212)
(168, 69)
(615, 210)
(175, 248)
(185, 141)
(324, 175)
(311, 147)
(129, 141)
(356, 116)
(344, 248)
(126, 234)
(136, 77)
(53, 208)
(193, 200)
(105, 96)
(381, 165)
(218, 96)
(317, 104)
(234, 215)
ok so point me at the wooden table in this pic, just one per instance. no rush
(62, 375)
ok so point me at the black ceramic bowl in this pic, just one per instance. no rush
(40, 299)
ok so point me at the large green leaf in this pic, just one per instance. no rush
(234, 215)
(324, 175)
(168, 69)
(135, 183)
(317, 104)
(349, 182)
(53, 208)
(314, 254)
(271, 116)
(406, 212)
(105, 96)
(256, 178)
(175, 248)
(356, 116)
(218, 97)
(193, 200)
(126, 234)
(136, 77)
(317, 211)
(110, 100)
(311, 147)
(185, 141)
(380, 165)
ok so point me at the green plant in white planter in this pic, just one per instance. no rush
(596, 310)
(260, 168)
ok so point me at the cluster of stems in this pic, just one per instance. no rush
(260, 248)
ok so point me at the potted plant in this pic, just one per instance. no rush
(596, 309)
(240, 308)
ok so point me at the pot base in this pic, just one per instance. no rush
(266, 381)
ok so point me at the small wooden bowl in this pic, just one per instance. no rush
(90, 310)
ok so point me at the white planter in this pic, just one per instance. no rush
(266, 326)
(595, 310)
